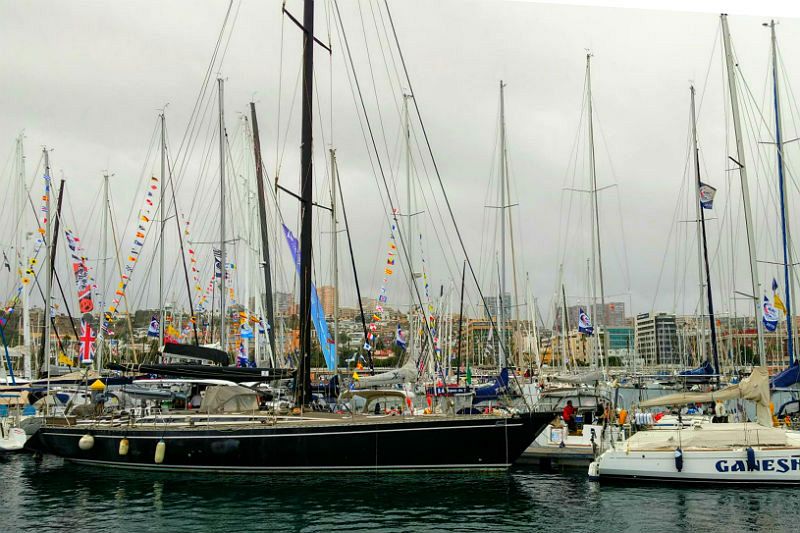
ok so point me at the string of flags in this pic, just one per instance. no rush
(84, 283)
(145, 217)
(377, 315)
(430, 309)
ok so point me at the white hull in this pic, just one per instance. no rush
(771, 465)
(12, 440)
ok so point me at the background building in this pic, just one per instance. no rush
(327, 298)
(614, 315)
(657, 339)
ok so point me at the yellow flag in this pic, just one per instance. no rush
(355, 376)
(64, 360)
(778, 303)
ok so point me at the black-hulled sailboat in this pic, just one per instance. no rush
(252, 442)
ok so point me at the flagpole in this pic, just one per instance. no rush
(705, 242)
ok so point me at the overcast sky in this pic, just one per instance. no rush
(87, 80)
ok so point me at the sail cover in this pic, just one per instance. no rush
(786, 378)
(317, 316)
(755, 388)
(706, 369)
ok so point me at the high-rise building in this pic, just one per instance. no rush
(657, 339)
(493, 303)
(283, 301)
(327, 297)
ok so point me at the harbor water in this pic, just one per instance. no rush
(50, 495)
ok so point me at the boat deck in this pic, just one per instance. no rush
(555, 457)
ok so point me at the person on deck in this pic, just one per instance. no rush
(568, 414)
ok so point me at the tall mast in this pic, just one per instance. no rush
(503, 177)
(701, 330)
(48, 277)
(163, 221)
(223, 295)
(740, 162)
(787, 239)
(705, 242)
(460, 323)
(262, 215)
(22, 254)
(103, 271)
(335, 248)
(303, 390)
(597, 261)
(411, 236)
(564, 321)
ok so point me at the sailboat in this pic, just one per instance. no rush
(250, 442)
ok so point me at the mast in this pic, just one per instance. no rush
(22, 256)
(411, 238)
(335, 249)
(740, 162)
(705, 242)
(103, 272)
(163, 219)
(26, 316)
(48, 277)
(564, 322)
(503, 167)
(223, 336)
(460, 323)
(597, 261)
(262, 215)
(787, 239)
(303, 390)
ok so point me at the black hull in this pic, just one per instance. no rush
(459, 443)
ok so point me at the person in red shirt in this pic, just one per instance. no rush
(568, 414)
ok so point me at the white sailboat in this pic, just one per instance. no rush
(740, 452)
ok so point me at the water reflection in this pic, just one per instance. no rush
(50, 494)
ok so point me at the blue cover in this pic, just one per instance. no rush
(786, 378)
(493, 390)
(706, 369)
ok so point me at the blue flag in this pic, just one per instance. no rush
(584, 324)
(707, 193)
(246, 331)
(317, 315)
(400, 338)
(153, 330)
(770, 315)
(241, 358)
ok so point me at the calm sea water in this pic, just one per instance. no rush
(50, 495)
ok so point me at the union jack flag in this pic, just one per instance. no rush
(87, 341)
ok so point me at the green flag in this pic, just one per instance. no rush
(469, 374)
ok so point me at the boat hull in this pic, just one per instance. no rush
(400, 444)
(720, 466)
